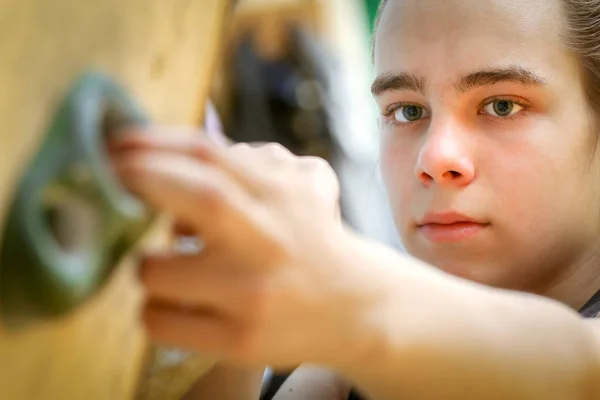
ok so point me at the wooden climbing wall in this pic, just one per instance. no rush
(163, 52)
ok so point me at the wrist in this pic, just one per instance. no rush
(368, 307)
(391, 301)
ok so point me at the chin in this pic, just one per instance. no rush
(471, 270)
(482, 273)
(471, 274)
(460, 270)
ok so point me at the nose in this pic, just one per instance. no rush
(445, 158)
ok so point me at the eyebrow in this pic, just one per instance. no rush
(498, 75)
(406, 81)
(402, 81)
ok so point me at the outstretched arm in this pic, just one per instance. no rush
(437, 336)
(281, 282)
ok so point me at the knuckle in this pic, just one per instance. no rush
(240, 146)
(239, 149)
(321, 169)
(276, 151)
(316, 164)
(324, 185)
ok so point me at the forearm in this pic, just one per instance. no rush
(228, 383)
(436, 336)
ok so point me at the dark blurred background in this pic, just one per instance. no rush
(298, 72)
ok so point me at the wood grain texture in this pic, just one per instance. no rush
(163, 52)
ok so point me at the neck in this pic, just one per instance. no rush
(578, 283)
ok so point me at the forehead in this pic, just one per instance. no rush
(462, 35)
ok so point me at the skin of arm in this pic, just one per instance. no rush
(225, 382)
(478, 342)
(395, 326)
(507, 332)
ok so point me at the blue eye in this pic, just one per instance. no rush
(409, 113)
(502, 108)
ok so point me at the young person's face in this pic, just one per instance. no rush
(484, 120)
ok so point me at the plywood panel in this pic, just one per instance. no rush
(163, 52)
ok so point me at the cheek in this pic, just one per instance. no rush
(522, 205)
(522, 183)
(539, 190)
(543, 215)
(397, 163)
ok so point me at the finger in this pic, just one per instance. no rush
(209, 199)
(265, 153)
(324, 178)
(197, 330)
(193, 144)
(267, 166)
(239, 166)
(200, 280)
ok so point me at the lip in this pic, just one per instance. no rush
(449, 227)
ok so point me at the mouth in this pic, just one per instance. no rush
(450, 227)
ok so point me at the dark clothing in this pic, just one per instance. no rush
(591, 309)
